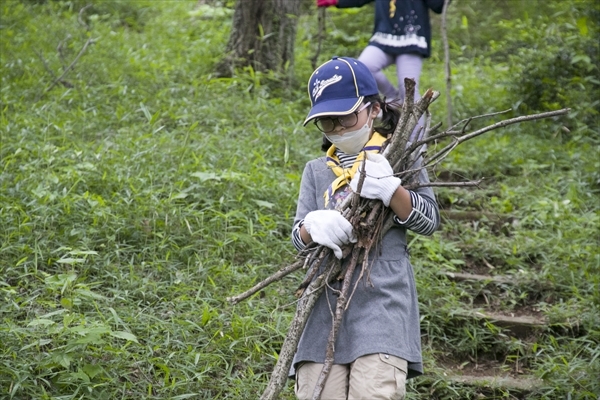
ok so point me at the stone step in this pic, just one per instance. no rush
(475, 215)
(523, 384)
(462, 276)
(512, 280)
(520, 326)
(488, 375)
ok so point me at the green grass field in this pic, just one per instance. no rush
(138, 191)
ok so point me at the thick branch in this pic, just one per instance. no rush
(396, 152)
(339, 313)
(393, 149)
(290, 344)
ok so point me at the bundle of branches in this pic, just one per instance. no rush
(371, 220)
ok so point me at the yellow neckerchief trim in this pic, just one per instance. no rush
(345, 175)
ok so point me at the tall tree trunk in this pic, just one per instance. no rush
(262, 36)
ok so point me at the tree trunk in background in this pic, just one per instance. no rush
(262, 36)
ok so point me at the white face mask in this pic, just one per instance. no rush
(353, 141)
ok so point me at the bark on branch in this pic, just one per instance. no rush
(288, 349)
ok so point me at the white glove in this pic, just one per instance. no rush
(330, 229)
(380, 182)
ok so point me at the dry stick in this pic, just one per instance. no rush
(404, 132)
(313, 263)
(420, 108)
(408, 174)
(59, 50)
(315, 257)
(397, 143)
(411, 113)
(398, 159)
(515, 120)
(413, 155)
(353, 213)
(439, 156)
(374, 238)
(87, 43)
(392, 148)
(413, 186)
(261, 285)
(458, 140)
(433, 160)
(436, 127)
(415, 151)
(290, 344)
(340, 307)
(420, 150)
(450, 132)
(447, 63)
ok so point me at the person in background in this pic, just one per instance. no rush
(379, 340)
(401, 36)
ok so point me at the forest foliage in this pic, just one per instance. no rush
(138, 191)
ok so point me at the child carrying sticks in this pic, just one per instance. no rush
(378, 343)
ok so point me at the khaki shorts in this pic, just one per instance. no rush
(373, 377)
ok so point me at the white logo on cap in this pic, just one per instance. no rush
(321, 85)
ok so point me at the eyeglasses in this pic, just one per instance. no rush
(327, 124)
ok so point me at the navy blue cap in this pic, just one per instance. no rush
(338, 87)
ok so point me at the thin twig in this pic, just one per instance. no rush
(457, 140)
(80, 17)
(87, 43)
(395, 148)
(414, 186)
(263, 284)
(59, 50)
(44, 63)
(515, 120)
(450, 132)
(313, 262)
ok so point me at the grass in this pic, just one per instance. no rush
(139, 196)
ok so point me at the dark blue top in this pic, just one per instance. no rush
(401, 26)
